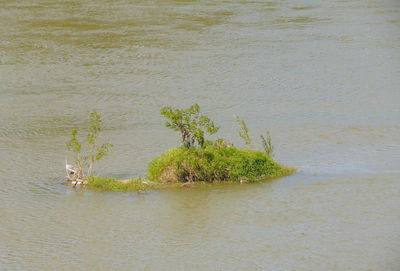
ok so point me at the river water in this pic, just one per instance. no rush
(321, 76)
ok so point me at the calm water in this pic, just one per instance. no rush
(322, 76)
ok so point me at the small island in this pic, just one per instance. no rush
(197, 162)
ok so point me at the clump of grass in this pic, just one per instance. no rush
(214, 163)
(104, 183)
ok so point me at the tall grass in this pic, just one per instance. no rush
(214, 163)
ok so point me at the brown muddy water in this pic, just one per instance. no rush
(322, 76)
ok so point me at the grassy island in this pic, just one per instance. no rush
(214, 163)
(197, 161)
(181, 166)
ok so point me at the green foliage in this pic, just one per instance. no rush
(80, 160)
(216, 161)
(267, 145)
(92, 152)
(213, 164)
(95, 152)
(190, 123)
(244, 131)
(73, 144)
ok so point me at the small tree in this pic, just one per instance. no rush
(84, 160)
(190, 123)
(244, 131)
(267, 145)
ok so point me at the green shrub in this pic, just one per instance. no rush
(85, 155)
(190, 123)
(213, 163)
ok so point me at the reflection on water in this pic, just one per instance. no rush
(322, 77)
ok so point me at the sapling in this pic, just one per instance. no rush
(267, 145)
(244, 134)
(244, 131)
(190, 123)
(85, 159)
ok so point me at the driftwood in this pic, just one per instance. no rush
(74, 175)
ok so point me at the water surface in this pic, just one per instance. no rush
(323, 77)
